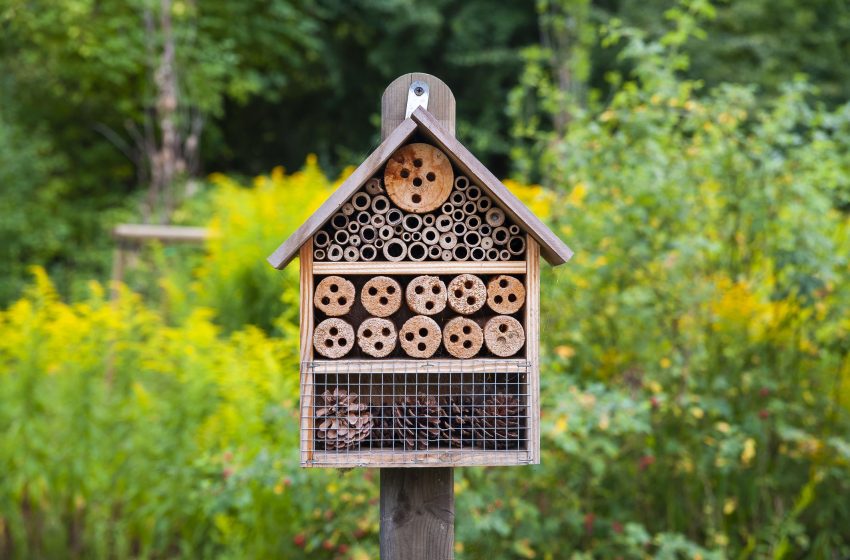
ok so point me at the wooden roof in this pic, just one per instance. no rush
(552, 248)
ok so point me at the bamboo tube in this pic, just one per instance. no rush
(368, 252)
(319, 254)
(485, 230)
(470, 208)
(471, 239)
(434, 252)
(351, 254)
(461, 183)
(477, 254)
(484, 204)
(457, 199)
(339, 220)
(379, 243)
(495, 217)
(443, 223)
(417, 251)
(321, 239)
(395, 250)
(486, 243)
(334, 253)
(386, 232)
(428, 220)
(504, 255)
(473, 222)
(361, 201)
(368, 234)
(353, 227)
(446, 255)
(364, 218)
(492, 254)
(430, 235)
(394, 216)
(458, 215)
(341, 237)
(398, 230)
(378, 220)
(460, 252)
(459, 228)
(516, 245)
(513, 229)
(416, 236)
(373, 186)
(447, 208)
(448, 240)
(500, 235)
(347, 209)
(380, 204)
(412, 222)
(473, 193)
(405, 236)
(354, 241)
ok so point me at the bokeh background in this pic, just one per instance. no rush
(696, 379)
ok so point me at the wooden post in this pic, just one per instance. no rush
(417, 504)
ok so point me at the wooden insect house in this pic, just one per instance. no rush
(420, 308)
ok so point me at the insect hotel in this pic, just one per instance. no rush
(420, 303)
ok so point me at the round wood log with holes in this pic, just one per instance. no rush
(381, 296)
(463, 338)
(418, 178)
(376, 337)
(467, 294)
(505, 294)
(334, 296)
(420, 337)
(333, 338)
(426, 295)
(504, 336)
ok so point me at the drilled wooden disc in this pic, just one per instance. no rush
(467, 294)
(463, 337)
(418, 178)
(420, 336)
(381, 296)
(504, 336)
(505, 294)
(426, 295)
(334, 296)
(334, 338)
(376, 337)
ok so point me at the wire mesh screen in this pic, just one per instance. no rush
(383, 413)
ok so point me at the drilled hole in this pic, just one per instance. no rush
(423, 332)
(405, 173)
(416, 199)
(430, 176)
(470, 300)
(454, 338)
(383, 301)
(342, 301)
(408, 337)
(385, 331)
(467, 329)
(429, 305)
(367, 333)
(436, 289)
(421, 346)
(498, 299)
(329, 343)
(418, 289)
(379, 346)
(373, 291)
(503, 328)
(334, 288)
(390, 290)
(333, 331)
(511, 298)
(343, 342)
(468, 284)
(458, 293)
(417, 162)
(417, 182)
(326, 300)
(503, 283)
(467, 344)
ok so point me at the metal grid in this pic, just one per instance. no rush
(409, 412)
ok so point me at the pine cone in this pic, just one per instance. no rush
(499, 423)
(383, 426)
(458, 425)
(419, 421)
(342, 420)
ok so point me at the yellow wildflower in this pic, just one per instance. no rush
(749, 452)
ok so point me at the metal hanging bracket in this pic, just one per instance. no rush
(417, 96)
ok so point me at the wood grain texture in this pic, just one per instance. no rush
(532, 331)
(166, 234)
(441, 102)
(553, 249)
(388, 458)
(281, 257)
(417, 514)
(412, 267)
(410, 366)
(306, 348)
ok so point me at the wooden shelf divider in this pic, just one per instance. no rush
(423, 267)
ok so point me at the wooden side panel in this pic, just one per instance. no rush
(532, 325)
(306, 350)
(555, 251)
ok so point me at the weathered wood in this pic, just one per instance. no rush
(532, 350)
(412, 267)
(478, 365)
(554, 250)
(441, 102)
(306, 349)
(281, 257)
(417, 514)
(389, 459)
(166, 234)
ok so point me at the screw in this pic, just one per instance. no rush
(419, 90)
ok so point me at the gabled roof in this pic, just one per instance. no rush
(552, 248)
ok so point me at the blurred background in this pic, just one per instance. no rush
(696, 381)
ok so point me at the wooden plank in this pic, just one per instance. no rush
(554, 250)
(379, 458)
(429, 267)
(532, 332)
(417, 514)
(306, 348)
(478, 365)
(166, 234)
(441, 102)
(281, 257)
